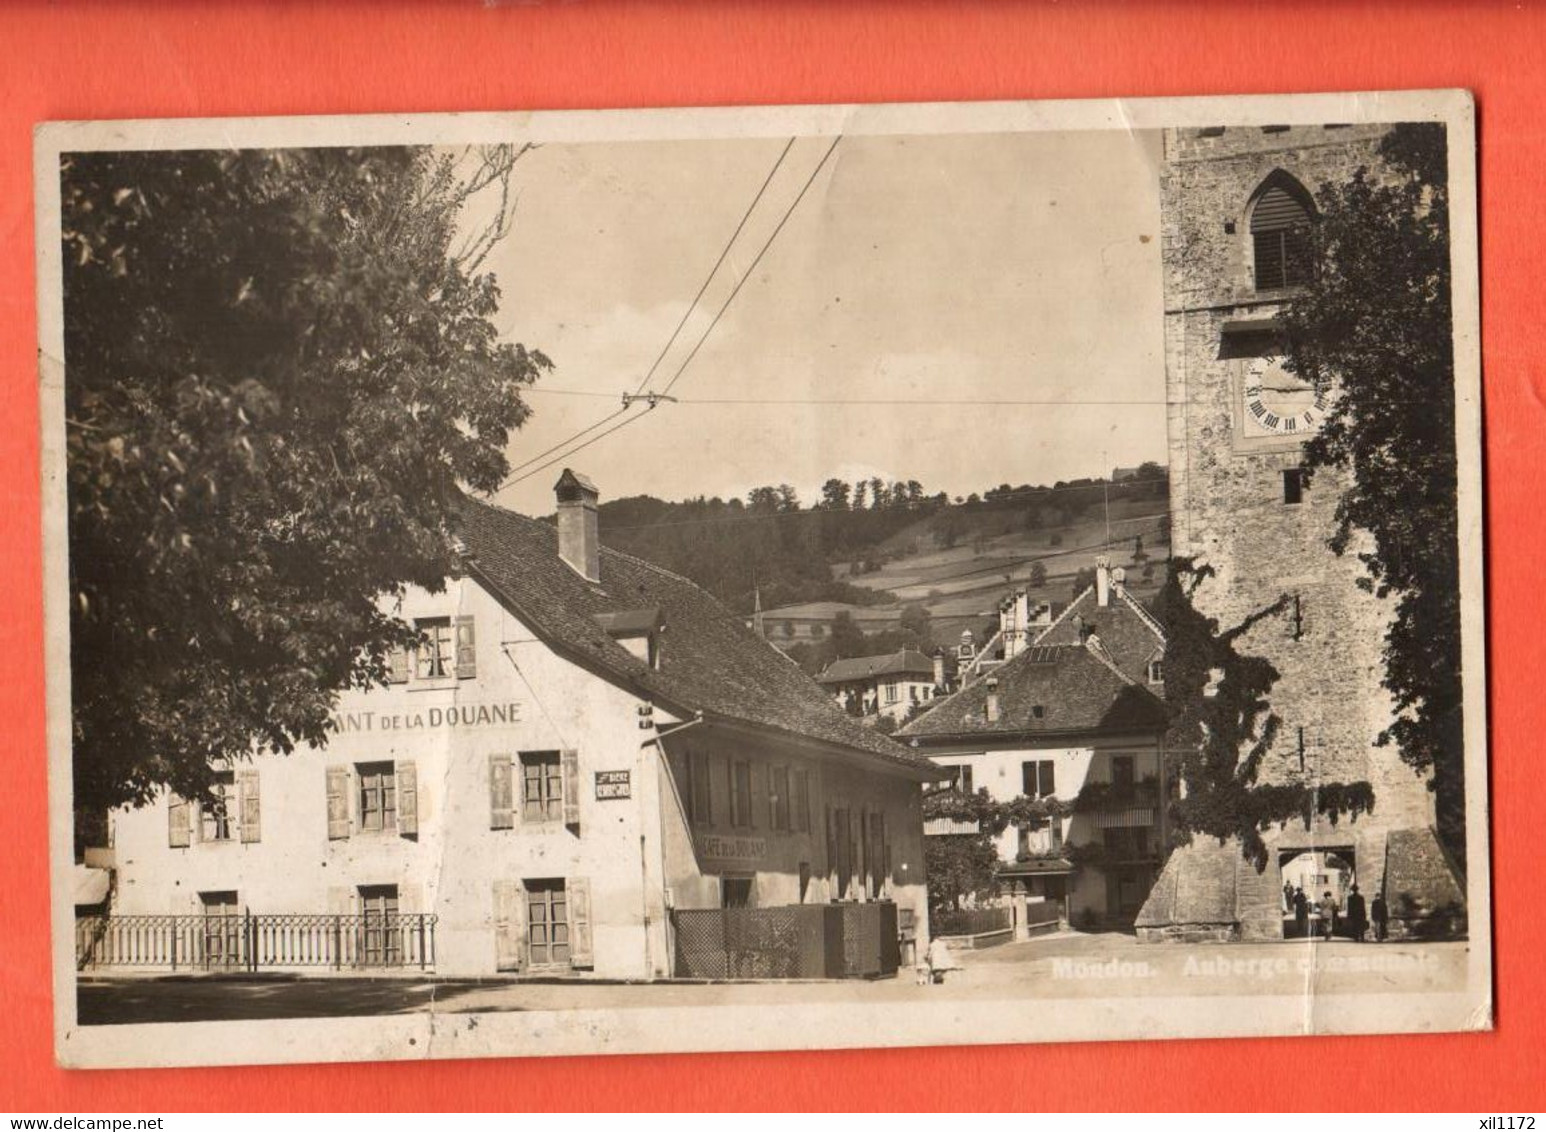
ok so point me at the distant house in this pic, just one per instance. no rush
(890, 685)
(1074, 719)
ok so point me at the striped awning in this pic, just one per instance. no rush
(1121, 819)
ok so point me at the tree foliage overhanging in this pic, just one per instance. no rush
(280, 372)
(1374, 325)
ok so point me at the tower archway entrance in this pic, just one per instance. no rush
(1309, 877)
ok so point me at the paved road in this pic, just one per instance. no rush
(1069, 965)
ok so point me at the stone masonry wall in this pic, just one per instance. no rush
(1228, 508)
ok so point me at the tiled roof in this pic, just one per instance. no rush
(1130, 633)
(865, 667)
(709, 660)
(1076, 689)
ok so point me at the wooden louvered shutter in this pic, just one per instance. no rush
(831, 841)
(509, 925)
(179, 822)
(581, 948)
(501, 792)
(249, 804)
(397, 666)
(1279, 237)
(337, 802)
(1277, 209)
(570, 762)
(466, 650)
(407, 798)
(885, 855)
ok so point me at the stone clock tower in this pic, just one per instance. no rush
(1235, 206)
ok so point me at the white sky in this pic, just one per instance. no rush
(959, 268)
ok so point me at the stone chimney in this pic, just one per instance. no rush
(579, 545)
(1102, 580)
(939, 668)
(991, 709)
(1014, 615)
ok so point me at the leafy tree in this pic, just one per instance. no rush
(847, 638)
(1139, 554)
(958, 866)
(948, 527)
(834, 495)
(282, 370)
(1084, 578)
(764, 499)
(880, 496)
(1374, 326)
(915, 619)
(1038, 573)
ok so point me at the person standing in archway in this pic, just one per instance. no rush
(1357, 919)
(1301, 913)
(1328, 908)
(1381, 917)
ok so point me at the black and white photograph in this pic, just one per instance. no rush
(775, 578)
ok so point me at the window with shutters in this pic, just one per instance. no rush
(377, 796)
(1280, 234)
(961, 777)
(542, 786)
(216, 816)
(547, 924)
(436, 654)
(1038, 778)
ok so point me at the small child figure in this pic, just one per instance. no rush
(940, 959)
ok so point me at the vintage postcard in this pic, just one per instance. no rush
(763, 578)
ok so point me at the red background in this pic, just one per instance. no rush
(136, 60)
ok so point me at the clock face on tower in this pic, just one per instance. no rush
(1278, 403)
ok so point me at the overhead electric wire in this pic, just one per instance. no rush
(570, 451)
(547, 451)
(751, 269)
(565, 455)
(730, 243)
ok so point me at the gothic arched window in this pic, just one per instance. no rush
(1281, 214)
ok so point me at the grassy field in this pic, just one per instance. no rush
(961, 585)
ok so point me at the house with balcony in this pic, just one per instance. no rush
(1062, 723)
(587, 768)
